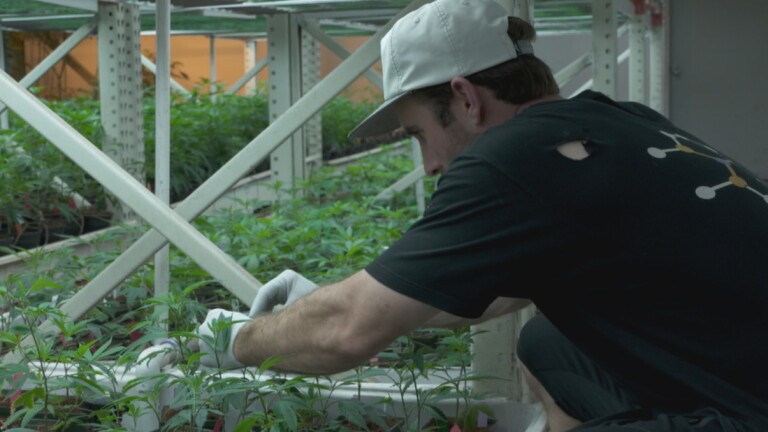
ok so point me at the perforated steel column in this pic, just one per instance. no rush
(310, 75)
(637, 28)
(604, 46)
(120, 88)
(658, 98)
(287, 161)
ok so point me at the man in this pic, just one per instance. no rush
(642, 247)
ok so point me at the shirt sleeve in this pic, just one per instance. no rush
(476, 242)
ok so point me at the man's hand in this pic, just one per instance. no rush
(217, 338)
(285, 289)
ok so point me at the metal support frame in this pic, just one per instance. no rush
(659, 58)
(284, 38)
(404, 183)
(314, 29)
(147, 63)
(604, 43)
(258, 67)
(163, 139)
(57, 55)
(123, 185)
(212, 50)
(567, 73)
(419, 162)
(589, 84)
(637, 29)
(175, 226)
(312, 132)
(36, 73)
(120, 90)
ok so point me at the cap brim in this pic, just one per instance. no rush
(380, 122)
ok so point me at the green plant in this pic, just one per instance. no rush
(452, 357)
(339, 117)
(206, 131)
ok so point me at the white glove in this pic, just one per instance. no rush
(217, 337)
(285, 289)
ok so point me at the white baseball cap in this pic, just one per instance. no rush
(435, 43)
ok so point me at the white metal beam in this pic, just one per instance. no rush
(120, 91)
(127, 189)
(312, 131)
(213, 188)
(590, 82)
(566, 74)
(147, 63)
(284, 39)
(404, 183)
(89, 5)
(258, 67)
(317, 33)
(637, 58)
(212, 49)
(659, 58)
(163, 139)
(604, 43)
(57, 55)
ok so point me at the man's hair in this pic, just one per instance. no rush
(520, 80)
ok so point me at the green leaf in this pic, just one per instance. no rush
(246, 425)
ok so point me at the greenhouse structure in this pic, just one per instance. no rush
(662, 53)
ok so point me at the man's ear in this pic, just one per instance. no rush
(468, 103)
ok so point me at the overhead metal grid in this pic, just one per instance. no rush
(338, 17)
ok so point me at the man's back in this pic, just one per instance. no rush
(648, 253)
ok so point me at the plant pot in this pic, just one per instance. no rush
(59, 228)
(6, 241)
(96, 220)
(393, 425)
(28, 237)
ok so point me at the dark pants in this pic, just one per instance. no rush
(587, 393)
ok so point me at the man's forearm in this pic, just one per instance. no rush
(332, 329)
(303, 334)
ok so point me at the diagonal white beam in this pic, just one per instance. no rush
(590, 82)
(242, 163)
(404, 183)
(126, 188)
(91, 5)
(248, 75)
(147, 63)
(56, 55)
(564, 75)
(314, 29)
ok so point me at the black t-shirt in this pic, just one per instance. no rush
(650, 254)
